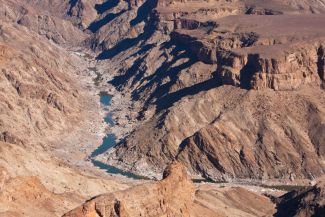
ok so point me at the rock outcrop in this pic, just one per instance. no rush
(232, 89)
(175, 62)
(275, 56)
(173, 196)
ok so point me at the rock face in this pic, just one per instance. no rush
(308, 202)
(42, 100)
(230, 88)
(33, 74)
(173, 196)
(267, 55)
(37, 76)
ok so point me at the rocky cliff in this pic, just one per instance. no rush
(43, 103)
(237, 82)
(173, 196)
(232, 89)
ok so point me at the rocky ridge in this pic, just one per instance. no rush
(170, 197)
(175, 195)
(44, 97)
(199, 89)
(174, 60)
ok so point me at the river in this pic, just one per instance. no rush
(109, 141)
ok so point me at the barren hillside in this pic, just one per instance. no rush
(95, 92)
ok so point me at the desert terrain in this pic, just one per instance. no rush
(162, 108)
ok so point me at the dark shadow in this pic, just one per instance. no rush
(247, 73)
(121, 80)
(129, 4)
(291, 202)
(126, 44)
(144, 11)
(168, 100)
(166, 70)
(144, 49)
(108, 5)
(95, 26)
(321, 63)
(72, 3)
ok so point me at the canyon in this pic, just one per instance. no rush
(214, 108)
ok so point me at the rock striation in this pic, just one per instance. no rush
(213, 85)
(264, 56)
(232, 89)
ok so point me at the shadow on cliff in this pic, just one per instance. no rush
(95, 26)
(135, 70)
(72, 3)
(321, 62)
(164, 99)
(146, 14)
(107, 5)
(168, 100)
(160, 95)
(167, 69)
(306, 199)
(248, 71)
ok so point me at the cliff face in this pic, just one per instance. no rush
(42, 100)
(271, 54)
(233, 89)
(175, 60)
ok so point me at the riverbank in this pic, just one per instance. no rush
(75, 146)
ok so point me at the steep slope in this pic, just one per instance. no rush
(34, 182)
(173, 59)
(308, 202)
(33, 91)
(44, 103)
(232, 89)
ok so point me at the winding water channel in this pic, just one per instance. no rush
(109, 141)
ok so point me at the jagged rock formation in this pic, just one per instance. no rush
(173, 196)
(174, 60)
(230, 101)
(308, 202)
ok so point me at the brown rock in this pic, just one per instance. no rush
(173, 196)
(304, 203)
